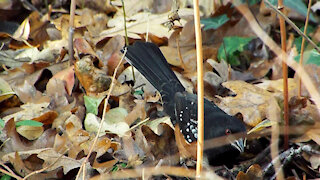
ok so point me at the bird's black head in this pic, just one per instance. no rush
(224, 142)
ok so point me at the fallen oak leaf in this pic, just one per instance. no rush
(54, 160)
(251, 101)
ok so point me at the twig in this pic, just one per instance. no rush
(8, 171)
(126, 35)
(199, 87)
(103, 114)
(138, 124)
(71, 32)
(149, 171)
(125, 24)
(302, 44)
(284, 76)
(179, 54)
(7, 168)
(293, 25)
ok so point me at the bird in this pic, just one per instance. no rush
(181, 105)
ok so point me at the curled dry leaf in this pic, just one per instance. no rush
(216, 73)
(5, 90)
(104, 166)
(114, 122)
(111, 54)
(30, 132)
(186, 149)
(254, 172)
(91, 78)
(155, 126)
(251, 101)
(75, 134)
(67, 75)
(83, 47)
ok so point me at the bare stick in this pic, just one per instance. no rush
(302, 44)
(199, 87)
(284, 75)
(71, 31)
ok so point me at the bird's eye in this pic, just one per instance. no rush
(228, 131)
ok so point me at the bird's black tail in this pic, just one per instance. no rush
(150, 62)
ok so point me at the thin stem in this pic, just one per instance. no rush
(199, 87)
(71, 31)
(284, 75)
(302, 44)
(126, 35)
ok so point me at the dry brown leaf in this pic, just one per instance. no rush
(186, 149)
(47, 118)
(5, 90)
(126, 101)
(67, 75)
(29, 111)
(162, 147)
(254, 172)
(104, 166)
(276, 87)
(27, 92)
(94, 22)
(75, 134)
(111, 54)
(91, 78)
(142, 23)
(21, 167)
(251, 101)
(23, 32)
(50, 156)
(30, 132)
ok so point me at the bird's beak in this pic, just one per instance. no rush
(239, 144)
